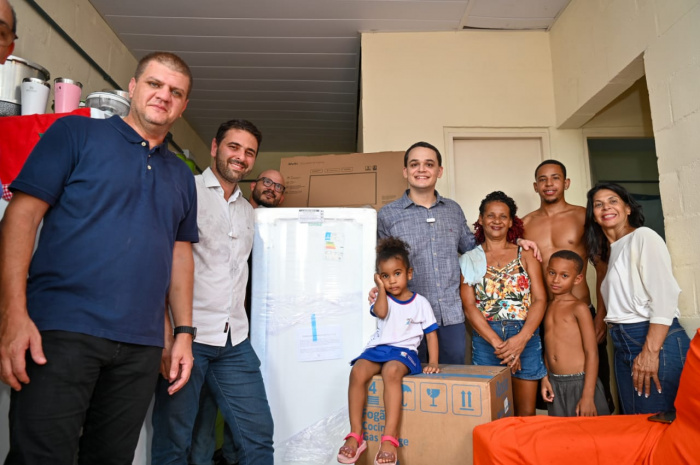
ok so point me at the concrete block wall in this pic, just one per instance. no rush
(672, 64)
(598, 45)
(40, 43)
(594, 47)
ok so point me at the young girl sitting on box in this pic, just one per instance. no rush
(404, 317)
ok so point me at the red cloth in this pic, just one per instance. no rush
(18, 136)
(606, 440)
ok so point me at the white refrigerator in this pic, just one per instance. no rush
(312, 270)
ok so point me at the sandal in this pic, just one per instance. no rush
(361, 446)
(395, 442)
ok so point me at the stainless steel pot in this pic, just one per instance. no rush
(110, 103)
(11, 74)
(119, 92)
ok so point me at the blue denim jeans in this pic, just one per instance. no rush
(204, 434)
(628, 340)
(531, 361)
(234, 378)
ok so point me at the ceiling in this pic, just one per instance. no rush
(292, 67)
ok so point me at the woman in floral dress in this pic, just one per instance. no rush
(506, 305)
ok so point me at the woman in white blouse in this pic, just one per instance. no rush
(641, 297)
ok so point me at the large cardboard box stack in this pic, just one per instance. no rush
(439, 413)
(353, 180)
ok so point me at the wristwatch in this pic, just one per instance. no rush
(187, 330)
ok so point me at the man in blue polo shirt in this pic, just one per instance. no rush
(81, 322)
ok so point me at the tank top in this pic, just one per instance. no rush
(504, 294)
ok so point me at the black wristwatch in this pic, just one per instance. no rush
(187, 330)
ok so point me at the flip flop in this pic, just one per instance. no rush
(362, 445)
(392, 440)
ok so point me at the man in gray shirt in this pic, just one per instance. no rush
(436, 230)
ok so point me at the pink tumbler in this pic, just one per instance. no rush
(66, 94)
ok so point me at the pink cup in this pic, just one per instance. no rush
(66, 94)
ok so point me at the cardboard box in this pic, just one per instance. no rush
(439, 413)
(353, 180)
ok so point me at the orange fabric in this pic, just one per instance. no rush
(681, 442)
(542, 440)
(608, 440)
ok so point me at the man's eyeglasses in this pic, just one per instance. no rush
(267, 182)
(6, 35)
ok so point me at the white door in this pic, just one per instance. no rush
(484, 165)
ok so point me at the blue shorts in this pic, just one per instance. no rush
(385, 353)
(531, 362)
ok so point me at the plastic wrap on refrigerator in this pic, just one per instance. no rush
(312, 271)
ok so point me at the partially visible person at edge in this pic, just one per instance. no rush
(8, 30)
(266, 191)
(558, 225)
(224, 357)
(506, 306)
(119, 215)
(436, 231)
(641, 297)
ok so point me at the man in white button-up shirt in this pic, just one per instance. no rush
(266, 191)
(224, 358)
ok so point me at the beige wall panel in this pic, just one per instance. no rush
(415, 85)
(486, 165)
(679, 145)
(568, 146)
(629, 110)
(659, 99)
(689, 280)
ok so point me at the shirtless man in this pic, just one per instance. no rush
(558, 225)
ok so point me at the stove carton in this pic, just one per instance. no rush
(353, 180)
(439, 413)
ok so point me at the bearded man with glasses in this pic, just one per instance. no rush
(268, 190)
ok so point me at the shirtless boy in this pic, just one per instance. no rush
(572, 387)
(558, 225)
